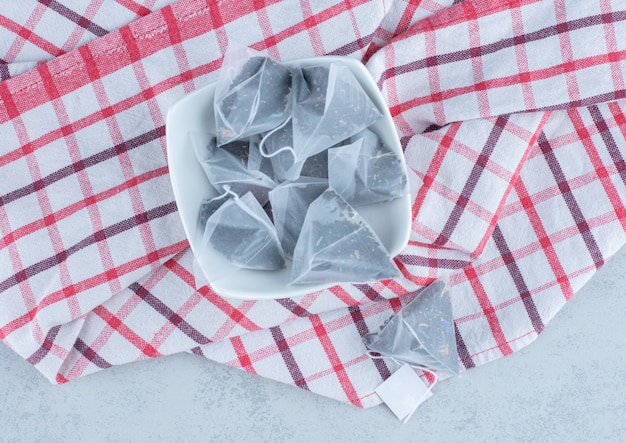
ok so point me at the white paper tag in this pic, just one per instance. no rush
(403, 392)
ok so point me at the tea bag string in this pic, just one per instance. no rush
(227, 191)
(244, 207)
(283, 149)
(377, 356)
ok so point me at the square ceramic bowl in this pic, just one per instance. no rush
(390, 220)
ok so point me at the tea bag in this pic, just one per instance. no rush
(337, 245)
(227, 167)
(277, 145)
(420, 334)
(329, 105)
(209, 206)
(240, 232)
(252, 95)
(366, 171)
(267, 208)
(256, 161)
(290, 202)
(316, 166)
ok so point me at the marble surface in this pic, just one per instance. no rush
(567, 386)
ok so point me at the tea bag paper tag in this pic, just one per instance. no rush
(403, 392)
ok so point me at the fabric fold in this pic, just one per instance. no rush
(466, 171)
(34, 32)
(87, 207)
(512, 118)
(486, 59)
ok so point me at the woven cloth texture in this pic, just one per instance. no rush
(511, 115)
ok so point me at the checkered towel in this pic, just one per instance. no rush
(511, 114)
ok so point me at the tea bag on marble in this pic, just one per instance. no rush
(421, 334)
(240, 231)
(252, 94)
(227, 166)
(290, 202)
(337, 245)
(365, 171)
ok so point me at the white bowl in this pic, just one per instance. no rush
(390, 220)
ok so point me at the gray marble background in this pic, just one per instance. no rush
(567, 386)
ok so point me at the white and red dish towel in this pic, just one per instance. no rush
(511, 114)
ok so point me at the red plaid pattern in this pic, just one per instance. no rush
(513, 135)
(466, 170)
(34, 31)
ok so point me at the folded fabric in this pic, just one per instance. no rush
(33, 31)
(513, 135)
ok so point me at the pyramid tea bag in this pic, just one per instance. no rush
(256, 161)
(316, 166)
(329, 105)
(420, 334)
(290, 202)
(227, 167)
(252, 95)
(277, 145)
(365, 171)
(337, 245)
(209, 206)
(240, 232)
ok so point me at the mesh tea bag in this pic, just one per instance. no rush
(316, 166)
(290, 202)
(252, 95)
(329, 105)
(366, 171)
(256, 161)
(421, 333)
(337, 245)
(210, 205)
(240, 232)
(227, 167)
(277, 145)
